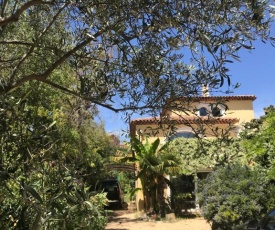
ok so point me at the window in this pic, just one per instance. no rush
(203, 111)
(216, 112)
(185, 134)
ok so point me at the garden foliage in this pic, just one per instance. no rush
(235, 194)
(259, 141)
(48, 158)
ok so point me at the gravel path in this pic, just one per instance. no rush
(127, 220)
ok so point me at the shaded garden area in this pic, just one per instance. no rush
(63, 61)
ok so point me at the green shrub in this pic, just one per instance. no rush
(67, 205)
(47, 160)
(233, 195)
(87, 215)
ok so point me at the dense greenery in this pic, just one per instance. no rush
(259, 141)
(142, 52)
(50, 150)
(244, 190)
(123, 55)
(235, 194)
(206, 153)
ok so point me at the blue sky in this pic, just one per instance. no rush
(255, 73)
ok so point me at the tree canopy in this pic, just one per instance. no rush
(127, 55)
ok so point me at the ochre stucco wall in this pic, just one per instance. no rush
(241, 109)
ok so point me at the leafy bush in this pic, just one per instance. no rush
(88, 214)
(46, 160)
(51, 205)
(232, 195)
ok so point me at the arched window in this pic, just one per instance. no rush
(216, 112)
(203, 111)
(185, 134)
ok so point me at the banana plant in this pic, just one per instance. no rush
(154, 163)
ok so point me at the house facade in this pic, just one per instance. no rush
(205, 116)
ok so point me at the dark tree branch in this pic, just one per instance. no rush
(16, 42)
(91, 99)
(15, 17)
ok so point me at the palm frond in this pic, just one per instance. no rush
(137, 145)
(154, 146)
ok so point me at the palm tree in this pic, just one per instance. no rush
(155, 163)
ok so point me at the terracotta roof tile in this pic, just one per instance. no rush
(180, 120)
(184, 120)
(224, 98)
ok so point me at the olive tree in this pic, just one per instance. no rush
(127, 55)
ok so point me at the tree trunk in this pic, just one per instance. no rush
(160, 194)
